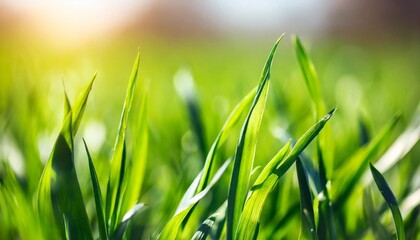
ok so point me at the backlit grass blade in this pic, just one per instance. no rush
(98, 197)
(308, 228)
(373, 218)
(310, 75)
(118, 158)
(59, 188)
(349, 174)
(245, 150)
(390, 200)
(80, 104)
(171, 229)
(137, 167)
(250, 217)
(59, 192)
(325, 147)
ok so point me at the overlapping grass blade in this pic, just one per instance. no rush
(245, 150)
(171, 229)
(390, 200)
(372, 217)
(308, 228)
(59, 192)
(201, 181)
(103, 231)
(248, 223)
(117, 170)
(349, 174)
(325, 148)
(137, 167)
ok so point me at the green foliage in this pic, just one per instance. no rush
(154, 184)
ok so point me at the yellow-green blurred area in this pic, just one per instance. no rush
(369, 74)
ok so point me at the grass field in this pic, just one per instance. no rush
(183, 120)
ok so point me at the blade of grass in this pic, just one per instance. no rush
(248, 223)
(98, 197)
(134, 212)
(118, 159)
(308, 228)
(135, 173)
(390, 200)
(245, 150)
(170, 231)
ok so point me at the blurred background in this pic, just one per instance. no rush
(366, 52)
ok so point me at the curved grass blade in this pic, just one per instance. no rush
(390, 200)
(247, 227)
(171, 229)
(59, 188)
(349, 174)
(308, 228)
(135, 173)
(118, 159)
(245, 150)
(59, 192)
(98, 197)
(325, 147)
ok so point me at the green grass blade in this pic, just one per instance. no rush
(222, 136)
(171, 229)
(349, 174)
(390, 200)
(59, 188)
(98, 197)
(245, 150)
(118, 160)
(310, 75)
(80, 104)
(262, 187)
(308, 228)
(135, 175)
(250, 217)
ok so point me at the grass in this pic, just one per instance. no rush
(160, 180)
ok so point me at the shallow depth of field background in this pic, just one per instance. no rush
(367, 54)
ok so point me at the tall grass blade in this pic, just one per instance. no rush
(308, 228)
(134, 212)
(103, 232)
(245, 150)
(136, 170)
(59, 192)
(249, 221)
(171, 229)
(390, 200)
(118, 159)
